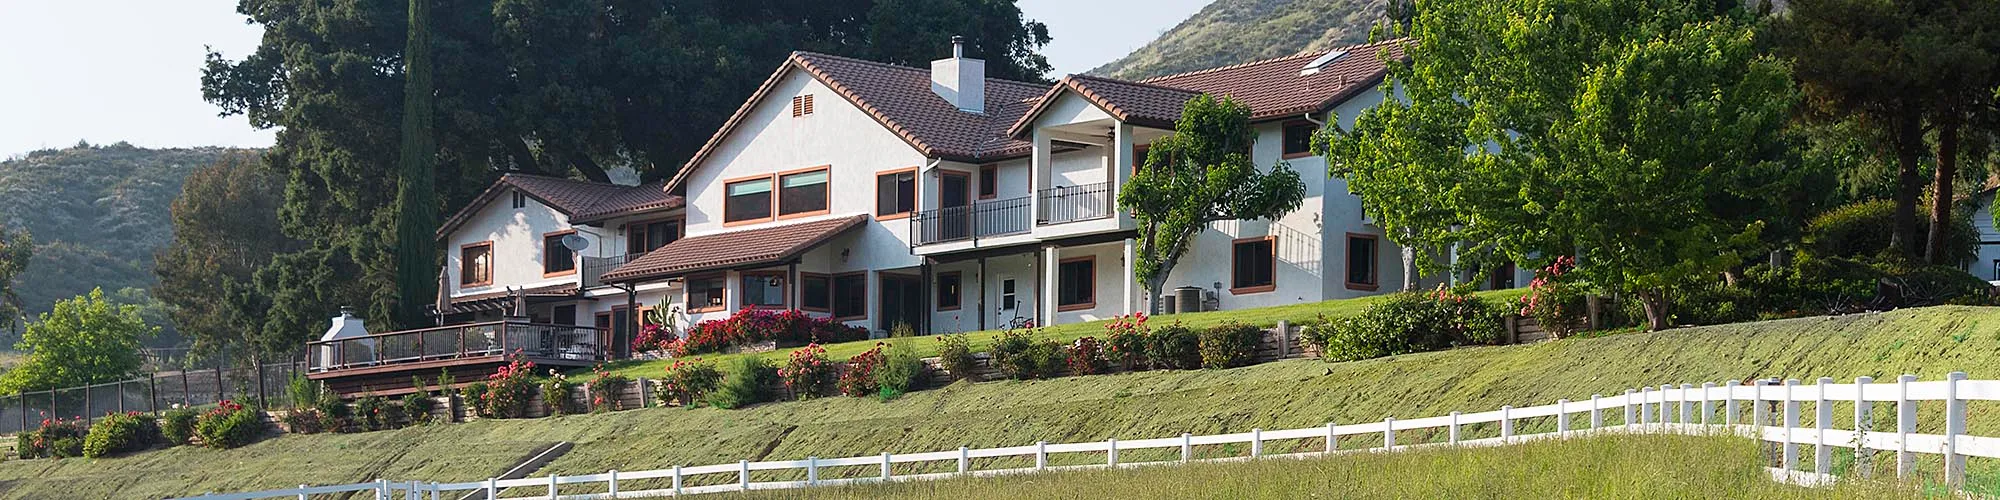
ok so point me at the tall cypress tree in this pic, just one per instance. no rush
(416, 198)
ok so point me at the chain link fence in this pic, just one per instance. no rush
(257, 385)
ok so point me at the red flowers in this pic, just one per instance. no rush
(807, 372)
(859, 379)
(758, 325)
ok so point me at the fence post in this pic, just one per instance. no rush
(743, 474)
(1284, 339)
(885, 466)
(1954, 426)
(1256, 442)
(552, 486)
(1729, 403)
(1562, 417)
(1389, 434)
(677, 480)
(1906, 424)
(1110, 452)
(493, 486)
(1596, 411)
(812, 471)
(964, 460)
(1628, 409)
(1041, 455)
(1666, 412)
(1645, 407)
(1687, 404)
(645, 393)
(1822, 420)
(381, 489)
(1790, 458)
(262, 399)
(1506, 423)
(1451, 435)
(153, 394)
(1864, 422)
(613, 486)
(219, 384)
(1187, 447)
(86, 403)
(121, 396)
(1707, 402)
(302, 495)
(186, 394)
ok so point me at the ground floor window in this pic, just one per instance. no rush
(815, 292)
(1361, 273)
(1076, 284)
(704, 293)
(850, 296)
(1253, 265)
(563, 315)
(948, 292)
(765, 289)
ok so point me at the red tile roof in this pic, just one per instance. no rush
(1137, 103)
(734, 249)
(1274, 88)
(582, 201)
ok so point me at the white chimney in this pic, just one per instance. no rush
(960, 81)
(345, 326)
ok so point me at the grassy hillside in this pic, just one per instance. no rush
(1298, 393)
(1234, 31)
(97, 214)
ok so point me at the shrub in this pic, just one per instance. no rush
(368, 409)
(1086, 356)
(1229, 345)
(229, 425)
(1405, 323)
(1125, 340)
(1020, 356)
(1910, 285)
(652, 336)
(304, 421)
(955, 354)
(1858, 231)
(177, 425)
(604, 389)
(473, 394)
(744, 384)
(1554, 301)
(121, 433)
(1812, 285)
(689, 382)
(556, 393)
(902, 371)
(750, 325)
(335, 415)
(66, 447)
(56, 438)
(417, 406)
(304, 393)
(1174, 347)
(508, 390)
(807, 372)
(858, 379)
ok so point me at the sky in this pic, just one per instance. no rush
(105, 71)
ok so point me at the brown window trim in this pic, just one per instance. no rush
(785, 291)
(1372, 263)
(803, 276)
(1139, 156)
(778, 192)
(725, 200)
(1274, 266)
(877, 200)
(489, 264)
(961, 290)
(680, 229)
(687, 292)
(832, 283)
(1093, 285)
(989, 192)
(1281, 141)
(573, 264)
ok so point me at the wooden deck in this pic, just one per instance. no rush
(383, 364)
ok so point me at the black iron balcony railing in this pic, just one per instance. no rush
(1062, 204)
(534, 340)
(595, 267)
(985, 218)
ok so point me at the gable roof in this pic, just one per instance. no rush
(1274, 88)
(582, 201)
(1134, 102)
(734, 249)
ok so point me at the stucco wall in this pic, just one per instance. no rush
(516, 234)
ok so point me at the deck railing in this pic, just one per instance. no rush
(534, 340)
(1062, 204)
(1773, 415)
(985, 218)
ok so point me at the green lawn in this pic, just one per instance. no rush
(926, 346)
(1295, 393)
(1600, 467)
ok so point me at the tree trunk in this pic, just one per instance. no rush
(1935, 252)
(1909, 140)
(1409, 266)
(586, 166)
(1655, 302)
(1729, 277)
(1154, 292)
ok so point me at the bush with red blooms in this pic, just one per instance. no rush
(689, 381)
(807, 372)
(56, 438)
(752, 325)
(604, 389)
(654, 337)
(859, 378)
(1086, 357)
(1553, 301)
(1125, 340)
(508, 389)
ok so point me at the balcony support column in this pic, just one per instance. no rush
(1039, 174)
(1119, 172)
(1051, 265)
(1131, 262)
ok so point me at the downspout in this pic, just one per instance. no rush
(1308, 116)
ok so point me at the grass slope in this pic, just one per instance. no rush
(1601, 467)
(1299, 393)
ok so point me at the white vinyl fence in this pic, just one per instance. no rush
(1685, 409)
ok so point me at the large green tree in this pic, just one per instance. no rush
(416, 198)
(556, 87)
(1199, 175)
(225, 227)
(16, 249)
(1630, 134)
(84, 340)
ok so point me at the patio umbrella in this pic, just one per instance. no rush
(444, 295)
(521, 302)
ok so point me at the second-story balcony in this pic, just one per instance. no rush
(1081, 202)
(595, 267)
(982, 219)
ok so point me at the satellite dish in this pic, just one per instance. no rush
(574, 242)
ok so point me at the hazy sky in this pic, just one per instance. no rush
(130, 70)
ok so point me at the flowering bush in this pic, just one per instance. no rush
(955, 353)
(752, 325)
(689, 381)
(229, 425)
(556, 391)
(507, 391)
(1554, 301)
(604, 389)
(368, 412)
(121, 433)
(807, 372)
(1125, 340)
(56, 438)
(1019, 355)
(859, 378)
(1086, 356)
(654, 336)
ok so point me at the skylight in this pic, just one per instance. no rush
(1321, 62)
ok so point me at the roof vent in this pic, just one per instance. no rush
(1321, 62)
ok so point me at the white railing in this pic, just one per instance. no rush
(1686, 409)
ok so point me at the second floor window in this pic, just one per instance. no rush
(803, 193)
(644, 237)
(475, 264)
(747, 200)
(1298, 139)
(556, 258)
(895, 193)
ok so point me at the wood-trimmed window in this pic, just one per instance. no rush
(804, 192)
(1297, 139)
(1139, 156)
(747, 200)
(1076, 283)
(475, 264)
(557, 259)
(1361, 262)
(895, 193)
(706, 293)
(949, 293)
(1253, 265)
(850, 296)
(563, 314)
(763, 289)
(802, 105)
(646, 236)
(815, 292)
(989, 181)
(520, 199)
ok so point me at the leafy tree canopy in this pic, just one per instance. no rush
(225, 226)
(84, 340)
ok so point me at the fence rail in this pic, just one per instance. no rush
(457, 341)
(1667, 409)
(152, 393)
